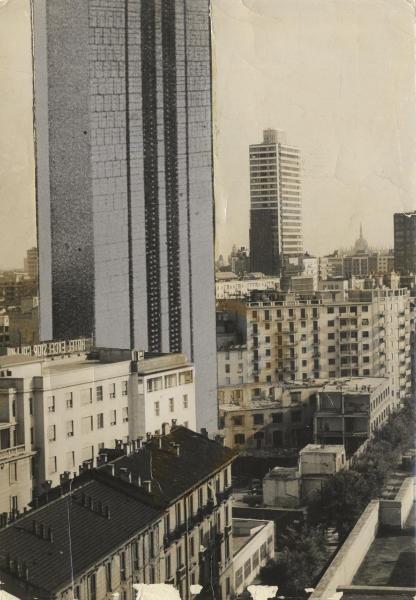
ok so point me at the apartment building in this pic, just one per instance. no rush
(405, 242)
(161, 512)
(258, 417)
(326, 335)
(233, 286)
(349, 411)
(75, 404)
(16, 456)
(166, 390)
(232, 365)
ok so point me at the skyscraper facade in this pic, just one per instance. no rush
(275, 203)
(405, 242)
(124, 177)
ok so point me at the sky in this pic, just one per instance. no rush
(338, 76)
(17, 168)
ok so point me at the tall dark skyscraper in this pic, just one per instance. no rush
(124, 177)
(275, 203)
(405, 242)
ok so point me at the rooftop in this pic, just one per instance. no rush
(353, 385)
(244, 530)
(323, 449)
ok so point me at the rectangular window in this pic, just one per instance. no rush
(157, 409)
(135, 556)
(124, 388)
(113, 417)
(247, 568)
(13, 472)
(52, 433)
(154, 384)
(51, 403)
(92, 587)
(86, 396)
(185, 400)
(171, 404)
(258, 419)
(87, 453)
(125, 414)
(123, 566)
(112, 390)
(70, 460)
(108, 577)
(99, 393)
(186, 377)
(69, 400)
(69, 428)
(170, 380)
(31, 406)
(86, 424)
(52, 464)
(100, 421)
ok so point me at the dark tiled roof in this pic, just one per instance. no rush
(93, 535)
(172, 475)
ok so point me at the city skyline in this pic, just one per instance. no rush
(351, 112)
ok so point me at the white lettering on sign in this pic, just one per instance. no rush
(52, 348)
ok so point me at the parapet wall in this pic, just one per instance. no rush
(350, 556)
(394, 513)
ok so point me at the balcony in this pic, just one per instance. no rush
(14, 452)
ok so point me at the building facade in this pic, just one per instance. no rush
(144, 525)
(275, 203)
(232, 365)
(405, 242)
(126, 247)
(353, 333)
(241, 286)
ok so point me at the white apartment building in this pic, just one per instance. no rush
(236, 287)
(166, 391)
(357, 333)
(232, 365)
(73, 405)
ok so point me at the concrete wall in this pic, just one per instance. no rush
(252, 551)
(346, 563)
(394, 513)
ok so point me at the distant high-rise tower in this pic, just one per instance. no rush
(405, 242)
(124, 178)
(276, 206)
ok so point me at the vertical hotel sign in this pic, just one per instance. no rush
(54, 348)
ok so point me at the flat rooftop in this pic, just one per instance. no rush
(323, 449)
(355, 384)
(391, 559)
(244, 530)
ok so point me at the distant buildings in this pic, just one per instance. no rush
(405, 242)
(275, 203)
(229, 285)
(126, 246)
(31, 263)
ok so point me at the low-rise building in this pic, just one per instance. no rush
(232, 367)
(253, 542)
(228, 286)
(268, 418)
(159, 513)
(349, 411)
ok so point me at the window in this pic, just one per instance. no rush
(69, 399)
(295, 397)
(238, 420)
(296, 416)
(123, 566)
(185, 400)
(239, 578)
(100, 421)
(51, 404)
(52, 433)
(13, 472)
(239, 438)
(52, 464)
(108, 578)
(124, 388)
(154, 384)
(99, 393)
(157, 409)
(331, 336)
(170, 380)
(331, 348)
(86, 424)
(227, 368)
(247, 568)
(330, 310)
(32, 436)
(86, 396)
(258, 419)
(92, 587)
(277, 418)
(331, 323)
(113, 417)
(171, 404)
(31, 406)
(125, 414)
(168, 567)
(135, 556)
(255, 560)
(69, 428)
(87, 453)
(70, 460)
(186, 377)
(112, 390)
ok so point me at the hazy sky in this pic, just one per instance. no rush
(338, 77)
(17, 170)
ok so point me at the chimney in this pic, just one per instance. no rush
(174, 421)
(148, 485)
(165, 428)
(204, 432)
(219, 439)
